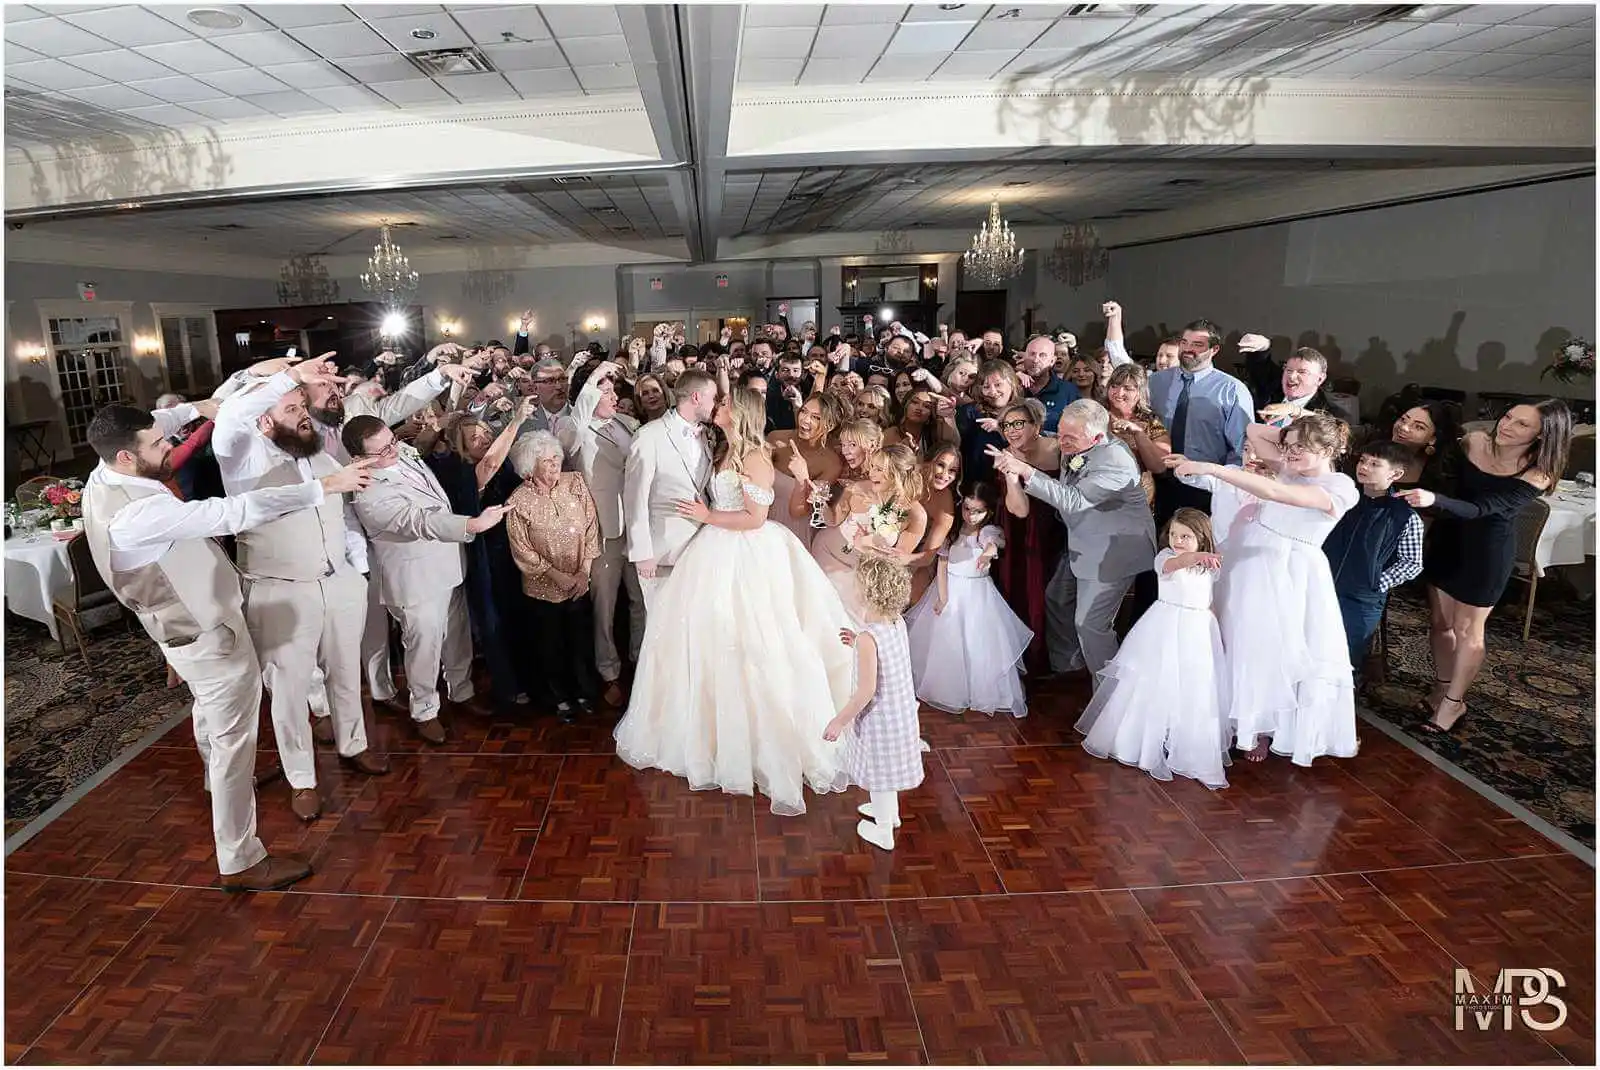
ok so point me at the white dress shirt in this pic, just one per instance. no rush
(244, 454)
(142, 532)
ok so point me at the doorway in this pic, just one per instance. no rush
(980, 310)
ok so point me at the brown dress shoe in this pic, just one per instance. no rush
(268, 774)
(269, 874)
(367, 762)
(322, 730)
(306, 803)
(613, 695)
(431, 730)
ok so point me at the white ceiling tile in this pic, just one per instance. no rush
(1372, 36)
(1076, 33)
(1559, 41)
(539, 56)
(843, 42)
(165, 115)
(120, 65)
(261, 49)
(976, 65)
(1472, 66)
(347, 98)
(177, 89)
(1414, 65)
(414, 91)
(15, 53)
(342, 40)
(595, 51)
(603, 78)
(773, 42)
(534, 84)
(52, 37)
(178, 15)
(792, 15)
(128, 26)
(1487, 40)
(581, 20)
(1432, 35)
(937, 12)
(21, 13)
(1556, 15)
(862, 14)
(1351, 64)
(400, 32)
(769, 71)
(909, 68)
(191, 57)
(993, 35)
(288, 103)
(922, 38)
(290, 15)
(241, 83)
(390, 68)
(314, 75)
(490, 26)
(475, 88)
(384, 11)
(1026, 12)
(48, 74)
(112, 97)
(835, 71)
(226, 108)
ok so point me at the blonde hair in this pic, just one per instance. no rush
(747, 426)
(884, 585)
(885, 412)
(1320, 432)
(905, 472)
(830, 411)
(867, 435)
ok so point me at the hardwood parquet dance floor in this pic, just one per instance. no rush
(519, 895)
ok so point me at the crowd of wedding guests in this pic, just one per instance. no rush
(1045, 500)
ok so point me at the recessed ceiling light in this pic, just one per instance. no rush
(424, 34)
(211, 19)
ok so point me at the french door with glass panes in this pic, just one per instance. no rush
(91, 361)
(186, 343)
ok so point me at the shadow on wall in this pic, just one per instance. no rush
(98, 155)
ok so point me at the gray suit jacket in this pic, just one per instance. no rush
(416, 536)
(1110, 532)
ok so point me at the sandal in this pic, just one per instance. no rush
(1426, 704)
(1436, 729)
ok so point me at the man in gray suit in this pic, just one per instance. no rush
(1111, 536)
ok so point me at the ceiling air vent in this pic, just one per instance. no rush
(442, 62)
(1390, 14)
(572, 180)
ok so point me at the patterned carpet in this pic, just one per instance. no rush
(1530, 732)
(64, 723)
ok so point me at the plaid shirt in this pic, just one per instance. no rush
(1407, 563)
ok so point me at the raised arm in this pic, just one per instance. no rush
(1301, 495)
(1116, 349)
(386, 511)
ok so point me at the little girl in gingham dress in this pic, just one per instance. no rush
(884, 753)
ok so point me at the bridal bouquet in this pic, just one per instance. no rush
(886, 521)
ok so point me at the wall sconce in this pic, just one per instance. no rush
(930, 281)
(32, 352)
(146, 345)
(450, 328)
(594, 324)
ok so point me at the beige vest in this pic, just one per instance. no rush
(304, 545)
(190, 590)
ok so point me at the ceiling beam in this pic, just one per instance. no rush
(709, 35)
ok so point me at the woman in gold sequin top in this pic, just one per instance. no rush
(1133, 422)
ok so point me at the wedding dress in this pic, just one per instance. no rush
(742, 667)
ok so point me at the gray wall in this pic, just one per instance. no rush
(1469, 292)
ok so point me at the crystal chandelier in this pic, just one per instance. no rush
(303, 280)
(389, 275)
(994, 256)
(1078, 256)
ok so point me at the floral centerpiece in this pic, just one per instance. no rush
(1575, 360)
(65, 498)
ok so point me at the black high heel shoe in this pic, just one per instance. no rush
(1425, 704)
(1435, 729)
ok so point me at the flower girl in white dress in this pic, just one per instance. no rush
(1290, 685)
(1162, 702)
(966, 643)
(741, 667)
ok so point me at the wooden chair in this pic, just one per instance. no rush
(1581, 458)
(1530, 525)
(87, 594)
(30, 494)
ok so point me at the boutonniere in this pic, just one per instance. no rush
(1077, 463)
(409, 452)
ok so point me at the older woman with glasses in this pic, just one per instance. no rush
(555, 537)
(1034, 535)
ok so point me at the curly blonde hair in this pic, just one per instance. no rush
(884, 585)
(1319, 432)
(747, 427)
(904, 472)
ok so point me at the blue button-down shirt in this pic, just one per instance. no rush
(1220, 409)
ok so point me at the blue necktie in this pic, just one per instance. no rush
(1180, 413)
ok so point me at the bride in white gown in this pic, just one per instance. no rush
(742, 667)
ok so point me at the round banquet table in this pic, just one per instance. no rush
(37, 569)
(1568, 536)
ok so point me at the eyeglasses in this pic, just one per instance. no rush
(1015, 425)
(391, 447)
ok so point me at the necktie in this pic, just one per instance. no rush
(1180, 413)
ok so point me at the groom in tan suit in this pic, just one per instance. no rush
(668, 461)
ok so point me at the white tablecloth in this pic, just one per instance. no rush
(1568, 535)
(37, 569)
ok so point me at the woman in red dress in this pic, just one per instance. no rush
(1033, 532)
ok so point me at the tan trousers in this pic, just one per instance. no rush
(374, 655)
(435, 633)
(299, 625)
(606, 576)
(223, 676)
